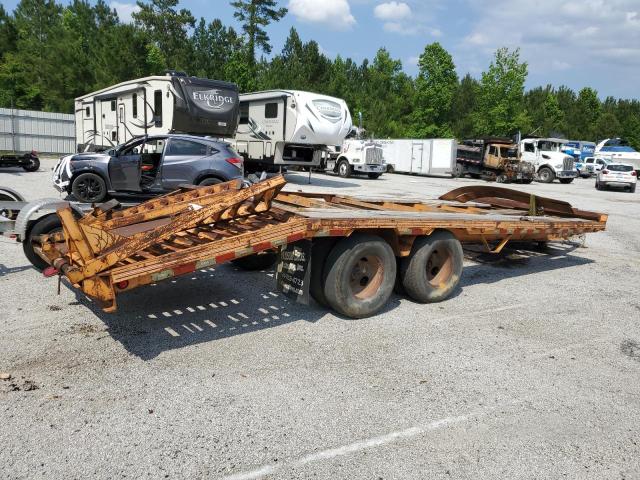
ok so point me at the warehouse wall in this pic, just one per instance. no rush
(26, 130)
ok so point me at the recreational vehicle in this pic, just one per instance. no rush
(157, 105)
(289, 127)
(618, 150)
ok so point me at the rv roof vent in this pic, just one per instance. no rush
(175, 73)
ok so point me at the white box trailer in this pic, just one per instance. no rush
(289, 127)
(421, 157)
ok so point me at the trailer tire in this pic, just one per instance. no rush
(344, 169)
(89, 188)
(432, 271)
(359, 275)
(258, 261)
(320, 250)
(44, 226)
(33, 166)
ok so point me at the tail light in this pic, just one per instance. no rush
(605, 172)
(634, 173)
(236, 161)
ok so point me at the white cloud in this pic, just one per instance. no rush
(125, 10)
(335, 14)
(392, 11)
(586, 38)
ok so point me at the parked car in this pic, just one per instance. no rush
(594, 165)
(147, 166)
(617, 175)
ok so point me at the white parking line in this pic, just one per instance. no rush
(358, 446)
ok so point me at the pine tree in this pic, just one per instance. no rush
(254, 16)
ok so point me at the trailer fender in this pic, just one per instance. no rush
(28, 213)
(11, 193)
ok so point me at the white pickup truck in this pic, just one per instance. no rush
(548, 159)
(356, 156)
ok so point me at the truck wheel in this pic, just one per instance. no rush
(344, 169)
(33, 166)
(320, 250)
(259, 261)
(432, 271)
(458, 171)
(44, 226)
(566, 180)
(546, 175)
(502, 178)
(374, 176)
(359, 275)
(89, 188)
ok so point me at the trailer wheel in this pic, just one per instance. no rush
(546, 175)
(259, 261)
(359, 275)
(344, 169)
(320, 250)
(44, 226)
(432, 271)
(33, 166)
(89, 188)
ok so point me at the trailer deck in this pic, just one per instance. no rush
(109, 251)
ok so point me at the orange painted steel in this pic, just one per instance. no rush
(109, 251)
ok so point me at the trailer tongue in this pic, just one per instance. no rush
(356, 246)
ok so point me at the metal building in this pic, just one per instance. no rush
(44, 132)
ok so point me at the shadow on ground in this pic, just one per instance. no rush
(209, 305)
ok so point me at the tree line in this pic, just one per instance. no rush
(51, 53)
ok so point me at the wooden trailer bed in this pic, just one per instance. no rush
(109, 251)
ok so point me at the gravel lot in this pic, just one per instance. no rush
(530, 371)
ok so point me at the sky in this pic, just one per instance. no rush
(577, 43)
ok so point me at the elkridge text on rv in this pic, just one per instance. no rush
(212, 98)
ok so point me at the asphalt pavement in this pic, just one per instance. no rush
(531, 370)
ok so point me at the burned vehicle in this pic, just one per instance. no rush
(147, 166)
(28, 161)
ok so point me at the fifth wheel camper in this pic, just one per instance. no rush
(158, 105)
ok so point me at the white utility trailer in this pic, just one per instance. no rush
(420, 157)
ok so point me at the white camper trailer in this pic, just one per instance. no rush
(420, 157)
(289, 127)
(174, 103)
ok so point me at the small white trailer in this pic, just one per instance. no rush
(174, 103)
(420, 156)
(289, 127)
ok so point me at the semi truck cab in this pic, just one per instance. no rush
(549, 160)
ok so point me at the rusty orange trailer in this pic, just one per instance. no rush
(358, 247)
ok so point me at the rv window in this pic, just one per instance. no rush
(87, 112)
(113, 105)
(134, 109)
(113, 135)
(157, 107)
(271, 110)
(186, 147)
(244, 113)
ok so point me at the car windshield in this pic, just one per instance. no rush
(620, 168)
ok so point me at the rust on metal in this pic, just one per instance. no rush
(113, 250)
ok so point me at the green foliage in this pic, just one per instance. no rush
(436, 88)
(167, 29)
(51, 53)
(500, 97)
(255, 15)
